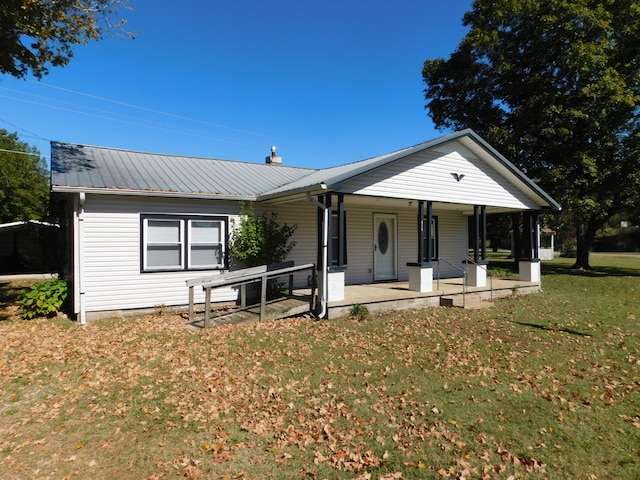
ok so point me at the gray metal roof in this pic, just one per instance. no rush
(87, 168)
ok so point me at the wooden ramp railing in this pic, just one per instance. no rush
(242, 278)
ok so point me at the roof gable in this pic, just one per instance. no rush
(449, 173)
(500, 175)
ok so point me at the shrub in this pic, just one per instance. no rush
(43, 299)
(359, 312)
(260, 239)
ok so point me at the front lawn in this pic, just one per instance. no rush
(539, 386)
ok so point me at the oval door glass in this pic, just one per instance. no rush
(383, 238)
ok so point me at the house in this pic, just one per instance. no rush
(139, 225)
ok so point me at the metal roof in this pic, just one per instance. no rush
(109, 170)
(88, 168)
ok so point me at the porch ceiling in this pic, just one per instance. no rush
(390, 203)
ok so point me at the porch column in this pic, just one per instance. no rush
(336, 251)
(477, 269)
(529, 264)
(421, 272)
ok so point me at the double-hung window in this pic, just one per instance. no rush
(206, 243)
(171, 243)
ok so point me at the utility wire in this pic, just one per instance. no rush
(23, 153)
(34, 135)
(151, 110)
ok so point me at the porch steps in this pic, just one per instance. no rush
(470, 301)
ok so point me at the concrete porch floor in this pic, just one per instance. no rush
(397, 296)
(376, 297)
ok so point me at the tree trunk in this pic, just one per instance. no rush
(585, 235)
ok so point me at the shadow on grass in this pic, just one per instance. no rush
(598, 271)
(565, 269)
(8, 296)
(550, 329)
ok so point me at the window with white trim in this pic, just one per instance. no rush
(171, 243)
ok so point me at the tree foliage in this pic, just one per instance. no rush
(24, 181)
(37, 33)
(260, 239)
(554, 85)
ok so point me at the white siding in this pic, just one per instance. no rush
(112, 242)
(111, 234)
(304, 215)
(428, 176)
(452, 242)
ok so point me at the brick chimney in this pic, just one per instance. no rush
(273, 159)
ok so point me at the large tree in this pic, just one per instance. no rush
(24, 181)
(37, 33)
(554, 85)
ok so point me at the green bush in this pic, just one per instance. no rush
(43, 299)
(359, 312)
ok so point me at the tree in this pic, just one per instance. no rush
(260, 239)
(38, 33)
(24, 181)
(554, 85)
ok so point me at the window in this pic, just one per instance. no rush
(206, 248)
(431, 242)
(171, 243)
(338, 240)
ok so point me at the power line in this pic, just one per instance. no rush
(121, 120)
(150, 110)
(23, 153)
(34, 135)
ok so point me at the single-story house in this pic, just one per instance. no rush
(139, 225)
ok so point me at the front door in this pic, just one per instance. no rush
(384, 246)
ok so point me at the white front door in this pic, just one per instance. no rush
(384, 246)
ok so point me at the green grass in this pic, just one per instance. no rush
(540, 386)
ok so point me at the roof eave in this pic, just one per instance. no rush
(149, 193)
(311, 189)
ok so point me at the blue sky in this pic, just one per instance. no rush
(328, 82)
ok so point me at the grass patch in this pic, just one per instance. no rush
(540, 386)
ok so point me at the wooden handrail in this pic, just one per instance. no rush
(243, 277)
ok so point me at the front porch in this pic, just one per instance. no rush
(398, 296)
(386, 296)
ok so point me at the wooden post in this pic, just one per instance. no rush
(207, 307)
(263, 296)
(312, 303)
(243, 295)
(191, 304)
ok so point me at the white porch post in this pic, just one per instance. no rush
(420, 277)
(477, 274)
(335, 284)
(529, 270)
(421, 272)
(529, 267)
